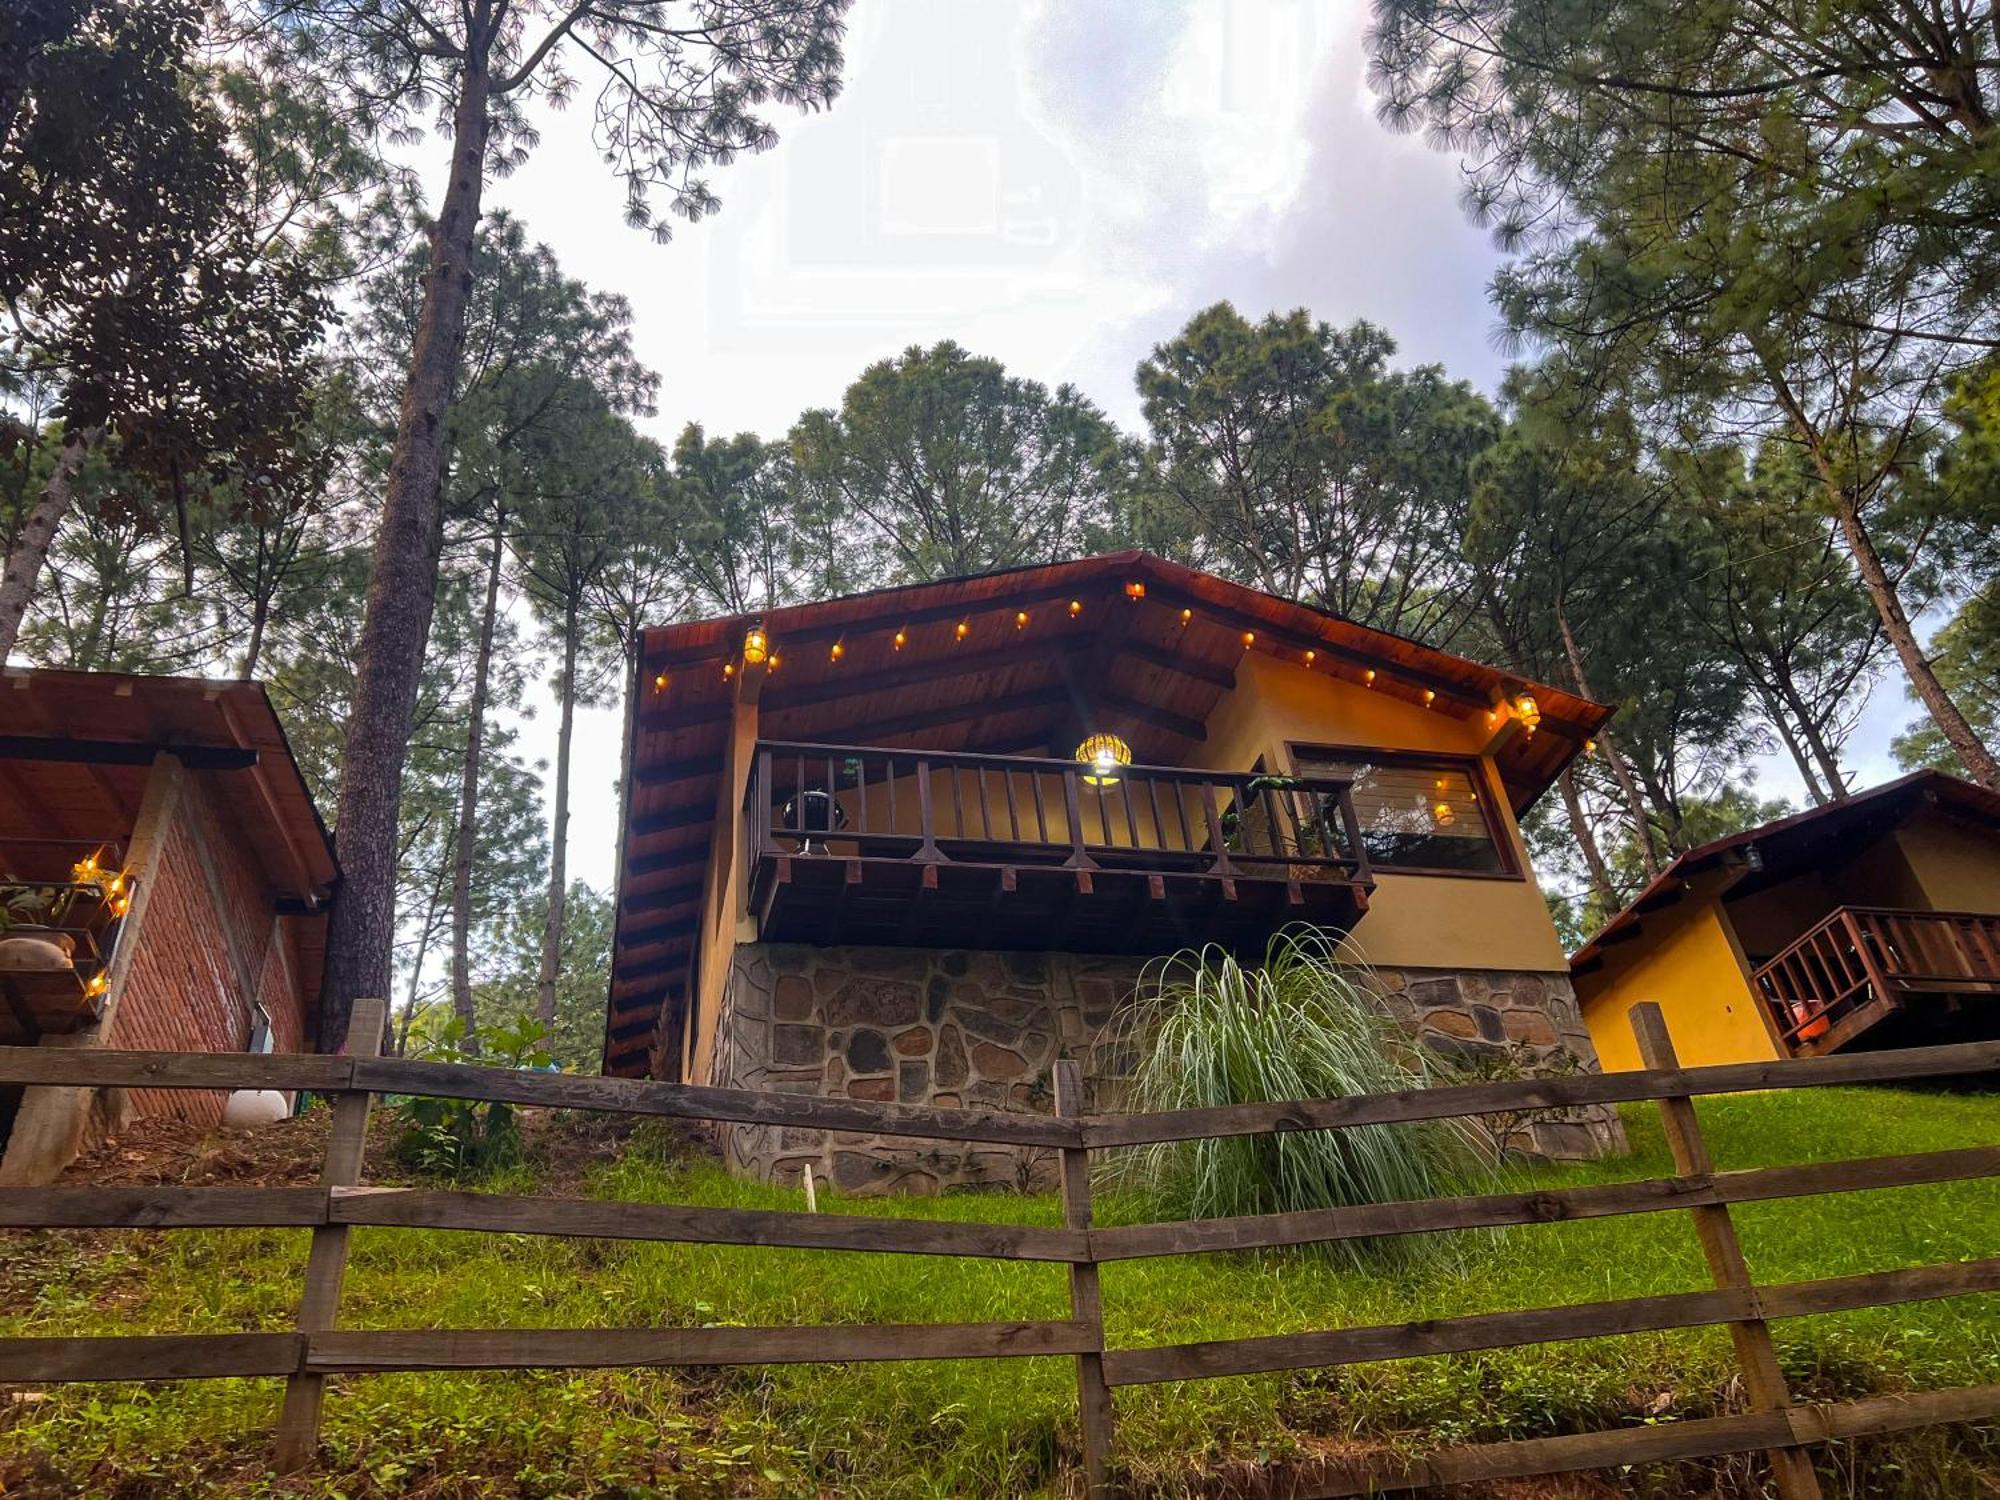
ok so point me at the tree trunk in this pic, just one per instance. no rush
(1823, 753)
(1775, 704)
(403, 588)
(552, 934)
(260, 618)
(1586, 840)
(30, 547)
(1642, 829)
(468, 799)
(1972, 753)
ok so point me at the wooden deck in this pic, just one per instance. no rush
(1863, 966)
(863, 845)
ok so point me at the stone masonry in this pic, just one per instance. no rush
(951, 1027)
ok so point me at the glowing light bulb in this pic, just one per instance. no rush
(1021, 620)
(1075, 608)
(1187, 616)
(900, 641)
(961, 631)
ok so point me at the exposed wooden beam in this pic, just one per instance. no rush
(668, 896)
(123, 752)
(1159, 718)
(657, 717)
(685, 816)
(678, 769)
(1184, 663)
(958, 664)
(877, 614)
(659, 932)
(952, 713)
(666, 963)
(689, 856)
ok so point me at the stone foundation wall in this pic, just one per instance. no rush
(950, 1028)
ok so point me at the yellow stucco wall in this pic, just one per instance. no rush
(1413, 921)
(1956, 866)
(1687, 963)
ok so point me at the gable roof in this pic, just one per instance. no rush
(990, 663)
(1790, 844)
(77, 747)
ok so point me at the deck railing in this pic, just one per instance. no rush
(318, 1347)
(1859, 963)
(937, 807)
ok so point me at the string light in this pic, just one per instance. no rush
(1187, 617)
(729, 669)
(838, 651)
(1590, 747)
(1021, 619)
(97, 986)
(1311, 657)
(1075, 608)
(775, 661)
(1135, 591)
(660, 683)
(1249, 639)
(900, 641)
(1430, 697)
(961, 631)
(1368, 677)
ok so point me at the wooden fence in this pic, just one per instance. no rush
(319, 1348)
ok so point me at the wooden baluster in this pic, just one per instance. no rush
(1180, 810)
(1218, 846)
(861, 793)
(1073, 807)
(1350, 822)
(1086, 1303)
(1041, 808)
(1131, 820)
(927, 851)
(1159, 823)
(326, 1262)
(1756, 1355)
(957, 799)
(760, 804)
(1013, 812)
(889, 762)
(985, 807)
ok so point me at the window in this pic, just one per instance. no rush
(1417, 812)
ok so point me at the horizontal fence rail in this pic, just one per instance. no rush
(338, 1204)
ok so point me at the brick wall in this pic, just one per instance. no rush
(210, 942)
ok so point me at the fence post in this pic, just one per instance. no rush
(346, 1140)
(1756, 1356)
(1093, 1396)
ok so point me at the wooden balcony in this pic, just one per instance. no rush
(850, 844)
(1863, 966)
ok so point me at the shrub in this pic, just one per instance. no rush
(453, 1137)
(1204, 1030)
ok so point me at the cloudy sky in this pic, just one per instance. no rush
(1059, 185)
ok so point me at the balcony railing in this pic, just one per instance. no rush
(1861, 964)
(861, 844)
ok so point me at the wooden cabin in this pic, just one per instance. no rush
(165, 877)
(913, 844)
(1869, 922)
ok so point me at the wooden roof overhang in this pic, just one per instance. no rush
(998, 663)
(1776, 851)
(76, 749)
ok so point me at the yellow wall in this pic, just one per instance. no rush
(1956, 867)
(1413, 921)
(1687, 963)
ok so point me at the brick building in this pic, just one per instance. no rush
(166, 876)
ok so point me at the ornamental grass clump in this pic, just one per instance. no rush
(1205, 1030)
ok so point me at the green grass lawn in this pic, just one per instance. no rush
(1001, 1427)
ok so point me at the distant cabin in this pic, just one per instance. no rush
(165, 877)
(1869, 922)
(914, 844)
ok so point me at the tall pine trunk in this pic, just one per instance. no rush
(1621, 769)
(403, 588)
(468, 798)
(1957, 730)
(1775, 705)
(552, 934)
(29, 551)
(1586, 840)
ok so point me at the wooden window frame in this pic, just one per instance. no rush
(1475, 770)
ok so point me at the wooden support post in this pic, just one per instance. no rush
(326, 1265)
(1093, 1396)
(1756, 1355)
